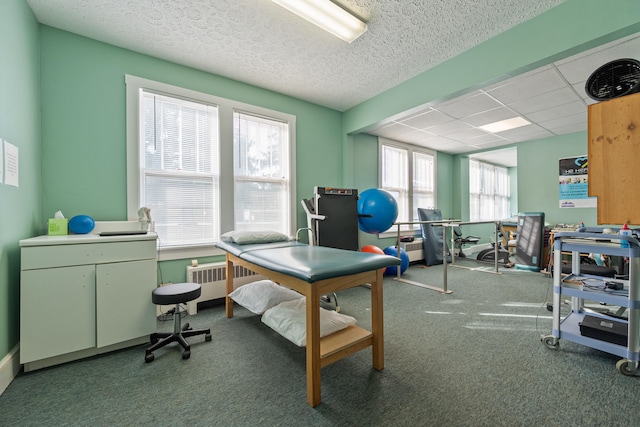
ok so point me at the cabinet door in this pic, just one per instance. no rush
(124, 310)
(57, 311)
(613, 144)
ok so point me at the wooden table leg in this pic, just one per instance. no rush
(228, 300)
(313, 347)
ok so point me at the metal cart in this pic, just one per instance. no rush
(597, 289)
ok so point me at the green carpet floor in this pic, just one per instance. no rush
(469, 358)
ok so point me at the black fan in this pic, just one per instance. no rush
(616, 78)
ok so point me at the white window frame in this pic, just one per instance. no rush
(226, 108)
(410, 149)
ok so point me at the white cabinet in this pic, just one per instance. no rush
(82, 295)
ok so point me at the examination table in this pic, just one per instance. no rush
(314, 271)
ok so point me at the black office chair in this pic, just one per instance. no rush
(461, 241)
(176, 293)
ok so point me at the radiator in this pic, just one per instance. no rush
(213, 279)
(414, 249)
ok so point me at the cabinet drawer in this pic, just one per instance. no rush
(34, 257)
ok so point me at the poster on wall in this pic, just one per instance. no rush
(574, 183)
(1, 161)
(11, 176)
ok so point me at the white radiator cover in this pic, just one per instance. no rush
(414, 250)
(213, 279)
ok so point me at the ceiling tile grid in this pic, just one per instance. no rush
(552, 98)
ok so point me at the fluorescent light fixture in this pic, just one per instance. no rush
(503, 125)
(328, 16)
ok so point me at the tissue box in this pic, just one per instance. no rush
(58, 226)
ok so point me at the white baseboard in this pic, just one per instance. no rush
(9, 368)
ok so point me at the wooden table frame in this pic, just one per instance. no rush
(321, 352)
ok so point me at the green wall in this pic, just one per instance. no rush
(83, 123)
(19, 125)
(539, 191)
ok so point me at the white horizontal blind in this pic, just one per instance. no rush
(423, 181)
(488, 191)
(395, 177)
(180, 170)
(261, 173)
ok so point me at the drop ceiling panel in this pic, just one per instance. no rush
(470, 135)
(530, 86)
(449, 128)
(561, 122)
(469, 105)
(579, 67)
(568, 109)
(427, 120)
(526, 133)
(448, 146)
(490, 116)
(545, 101)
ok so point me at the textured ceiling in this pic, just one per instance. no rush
(259, 42)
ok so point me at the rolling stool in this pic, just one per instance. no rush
(177, 293)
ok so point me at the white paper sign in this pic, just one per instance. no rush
(11, 175)
(1, 161)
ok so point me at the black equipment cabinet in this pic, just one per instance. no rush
(339, 228)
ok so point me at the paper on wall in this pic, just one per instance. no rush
(11, 162)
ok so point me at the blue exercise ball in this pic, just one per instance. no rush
(81, 224)
(404, 261)
(377, 211)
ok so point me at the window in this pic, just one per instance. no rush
(179, 172)
(196, 184)
(488, 191)
(408, 173)
(261, 172)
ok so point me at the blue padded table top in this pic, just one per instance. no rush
(313, 263)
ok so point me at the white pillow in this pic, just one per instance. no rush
(289, 320)
(258, 297)
(248, 237)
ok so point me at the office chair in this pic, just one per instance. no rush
(177, 293)
(461, 241)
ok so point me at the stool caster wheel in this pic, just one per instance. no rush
(153, 339)
(186, 354)
(207, 337)
(148, 358)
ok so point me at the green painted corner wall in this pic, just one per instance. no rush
(83, 123)
(538, 169)
(20, 211)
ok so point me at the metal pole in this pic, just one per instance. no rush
(398, 268)
(498, 226)
(444, 258)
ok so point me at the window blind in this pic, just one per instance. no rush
(179, 169)
(261, 173)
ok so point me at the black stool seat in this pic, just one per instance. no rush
(177, 293)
